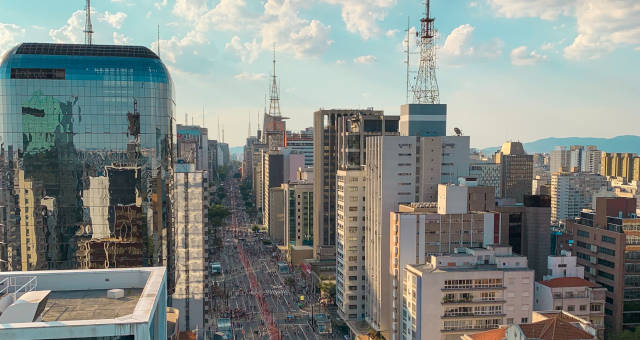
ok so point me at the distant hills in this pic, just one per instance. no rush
(628, 143)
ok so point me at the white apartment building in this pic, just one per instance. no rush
(350, 225)
(473, 290)
(418, 230)
(398, 170)
(565, 289)
(573, 191)
(190, 252)
(560, 160)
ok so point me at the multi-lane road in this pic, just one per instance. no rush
(252, 291)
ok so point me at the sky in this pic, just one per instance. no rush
(507, 69)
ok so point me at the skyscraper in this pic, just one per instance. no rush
(86, 144)
(339, 139)
(516, 169)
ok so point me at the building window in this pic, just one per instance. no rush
(608, 239)
(509, 321)
(607, 251)
(571, 308)
(606, 263)
(524, 320)
(583, 233)
(583, 308)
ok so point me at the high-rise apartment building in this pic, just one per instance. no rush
(516, 171)
(350, 244)
(247, 160)
(272, 177)
(423, 120)
(302, 142)
(193, 286)
(625, 165)
(560, 160)
(298, 210)
(79, 120)
(333, 130)
(605, 241)
(192, 146)
(212, 149)
(224, 157)
(398, 170)
(472, 290)
(573, 191)
(422, 229)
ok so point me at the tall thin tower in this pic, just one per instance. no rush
(88, 29)
(425, 89)
(274, 106)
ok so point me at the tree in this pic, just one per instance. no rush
(328, 290)
(255, 228)
(217, 215)
(627, 335)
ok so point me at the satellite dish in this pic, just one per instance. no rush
(457, 131)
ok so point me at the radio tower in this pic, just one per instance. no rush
(88, 29)
(274, 106)
(425, 89)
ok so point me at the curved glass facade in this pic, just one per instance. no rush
(86, 135)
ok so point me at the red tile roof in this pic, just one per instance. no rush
(494, 334)
(554, 329)
(563, 282)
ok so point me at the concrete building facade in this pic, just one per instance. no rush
(350, 244)
(516, 171)
(573, 191)
(487, 174)
(606, 243)
(477, 289)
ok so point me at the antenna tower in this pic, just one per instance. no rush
(158, 41)
(88, 29)
(425, 89)
(274, 106)
(408, 53)
(249, 131)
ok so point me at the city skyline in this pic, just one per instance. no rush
(514, 62)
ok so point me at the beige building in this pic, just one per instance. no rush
(625, 165)
(418, 230)
(472, 290)
(350, 254)
(398, 170)
(298, 214)
(516, 171)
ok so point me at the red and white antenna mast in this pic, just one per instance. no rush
(88, 29)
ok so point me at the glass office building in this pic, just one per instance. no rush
(86, 175)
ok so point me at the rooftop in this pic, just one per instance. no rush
(74, 299)
(494, 334)
(554, 329)
(89, 305)
(565, 282)
(86, 50)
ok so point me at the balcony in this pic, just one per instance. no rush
(471, 315)
(470, 328)
(445, 289)
(471, 301)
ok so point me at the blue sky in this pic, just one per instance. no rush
(508, 69)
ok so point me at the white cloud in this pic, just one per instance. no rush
(247, 51)
(365, 59)
(459, 47)
(340, 62)
(391, 33)
(546, 46)
(120, 39)
(520, 56)
(250, 76)
(9, 35)
(148, 15)
(458, 43)
(362, 16)
(72, 31)
(473, 4)
(113, 19)
(604, 26)
(161, 4)
(544, 9)
(190, 9)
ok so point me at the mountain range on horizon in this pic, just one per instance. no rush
(626, 143)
